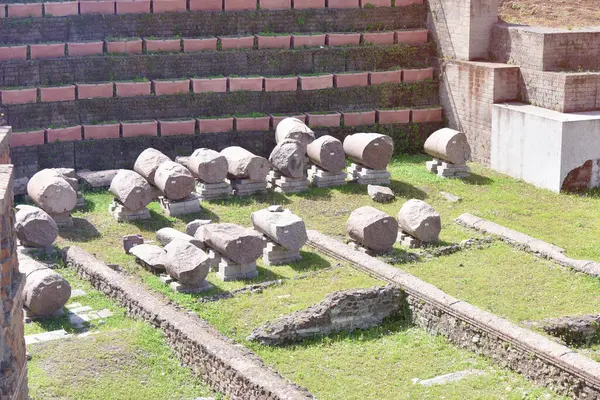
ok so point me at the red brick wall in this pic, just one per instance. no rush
(13, 376)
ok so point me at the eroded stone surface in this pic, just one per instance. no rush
(207, 165)
(380, 194)
(448, 145)
(131, 189)
(51, 192)
(328, 153)
(237, 243)
(288, 157)
(420, 220)
(148, 162)
(45, 291)
(154, 257)
(372, 228)
(34, 227)
(282, 227)
(339, 311)
(186, 262)
(174, 180)
(242, 164)
(373, 150)
(293, 128)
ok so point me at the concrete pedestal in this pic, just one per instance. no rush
(445, 169)
(211, 191)
(63, 220)
(283, 184)
(273, 254)
(366, 176)
(231, 271)
(247, 187)
(189, 205)
(122, 214)
(203, 287)
(321, 178)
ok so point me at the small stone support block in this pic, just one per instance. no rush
(122, 214)
(215, 258)
(283, 184)
(212, 191)
(230, 271)
(247, 187)
(321, 178)
(366, 176)
(273, 254)
(409, 241)
(63, 220)
(445, 169)
(189, 205)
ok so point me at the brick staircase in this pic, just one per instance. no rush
(91, 84)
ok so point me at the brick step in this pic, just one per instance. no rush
(83, 91)
(115, 45)
(192, 126)
(103, 154)
(17, 9)
(197, 24)
(210, 63)
(392, 95)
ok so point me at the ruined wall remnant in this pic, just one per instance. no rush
(13, 376)
(339, 311)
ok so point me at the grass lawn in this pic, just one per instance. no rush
(381, 362)
(120, 359)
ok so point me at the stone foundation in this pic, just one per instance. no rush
(203, 287)
(273, 254)
(212, 191)
(247, 187)
(189, 205)
(445, 169)
(283, 184)
(366, 176)
(321, 178)
(231, 271)
(122, 214)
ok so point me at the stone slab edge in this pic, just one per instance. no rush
(528, 243)
(229, 368)
(536, 357)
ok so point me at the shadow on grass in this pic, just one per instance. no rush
(156, 222)
(314, 193)
(81, 231)
(310, 262)
(403, 189)
(49, 324)
(204, 214)
(477, 180)
(389, 326)
(88, 206)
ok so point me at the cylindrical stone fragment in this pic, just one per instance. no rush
(373, 150)
(51, 192)
(131, 189)
(448, 145)
(241, 245)
(174, 180)
(208, 166)
(34, 227)
(45, 291)
(328, 153)
(288, 157)
(282, 227)
(148, 162)
(372, 228)
(194, 225)
(293, 128)
(420, 220)
(186, 263)
(164, 236)
(242, 164)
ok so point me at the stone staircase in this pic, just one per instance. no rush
(91, 84)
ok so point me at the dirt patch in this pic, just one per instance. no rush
(553, 13)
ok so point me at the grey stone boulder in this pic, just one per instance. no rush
(131, 189)
(207, 165)
(289, 158)
(239, 244)
(186, 263)
(193, 226)
(328, 153)
(242, 164)
(34, 227)
(282, 227)
(45, 291)
(130, 241)
(97, 179)
(174, 180)
(164, 236)
(148, 162)
(153, 256)
(448, 145)
(373, 150)
(420, 220)
(380, 194)
(372, 228)
(293, 128)
(51, 192)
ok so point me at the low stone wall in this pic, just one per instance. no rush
(97, 155)
(535, 356)
(70, 113)
(13, 377)
(546, 49)
(195, 24)
(579, 330)
(340, 311)
(229, 368)
(266, 62)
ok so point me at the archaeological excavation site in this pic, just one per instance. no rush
(299, 199)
